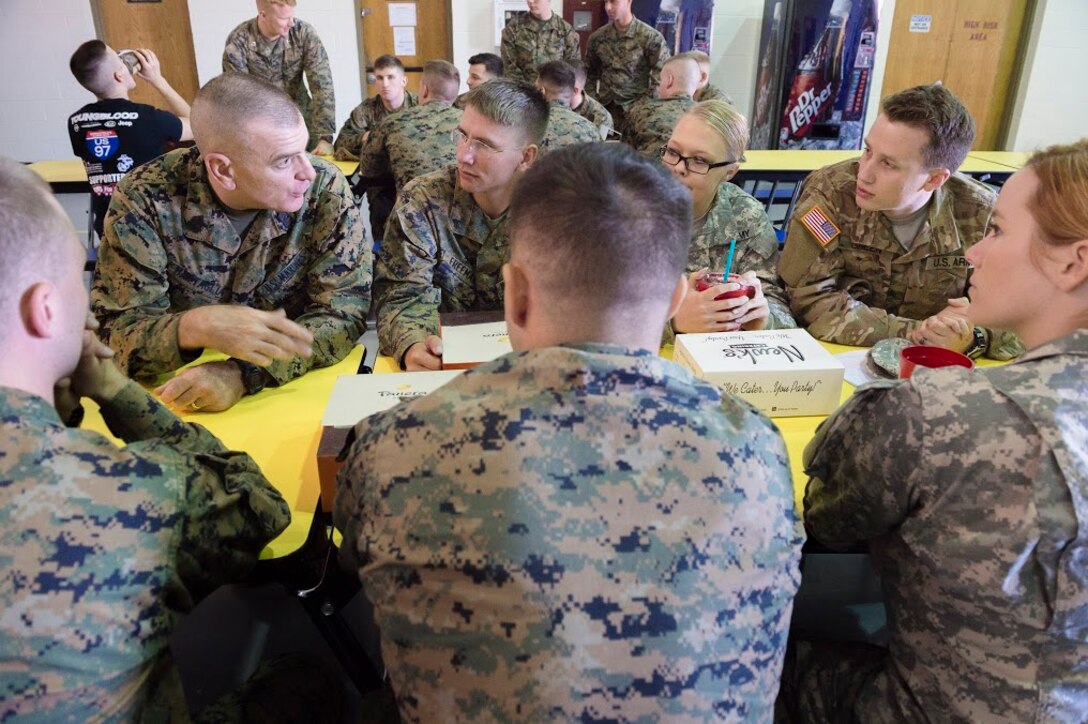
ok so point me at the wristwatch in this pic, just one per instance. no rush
(254, 378)
(978, 343)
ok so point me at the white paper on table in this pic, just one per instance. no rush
(404, 41)
(856, 370)
(402, 14)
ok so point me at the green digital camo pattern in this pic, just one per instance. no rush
(283, 62)
(650, 121)
(975, 484)
(863, 287)
(412, 143)
(440, 254)
(366, 117)
(170, 247)
(528, 43)
(101, 548)
(597, 114)
(623, 66)
(712, 92)
(565, 128)
(575, 533)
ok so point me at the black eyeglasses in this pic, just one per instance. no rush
(693, 164)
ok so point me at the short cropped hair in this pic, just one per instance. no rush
(937, 111)
(512, 103)
(603, 226)
(579, 69)
(32, 227)
(442, 79)
(557, 76)
(388, 61)
(1060, 203)
(685, 73)
(697, 55)
(88, 65)
(227, 103)
(491, 63)
(727, 122)
(281, 2)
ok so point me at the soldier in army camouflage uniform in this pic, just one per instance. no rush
(565, 127)
(973, 486)
(877, 246)
(212, 247)
(703, 153)
(392, 97)
(418, 140)
(579, 530)
(623, 61)
(531, 39)
(277, 47)
(445, 243)
(650, 120)
(586, 106)
(101, 547)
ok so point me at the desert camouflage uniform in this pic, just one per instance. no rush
(101, 548)
(863, 287)
(565, 128)
(650, 122)
(528, 43)
(596, 113)
(623, 66)
(170, 247)
(412, 143)
(577, 533)
(366, 117)
(441, 254)
(282, 62)
(975, 484)
(712, 92)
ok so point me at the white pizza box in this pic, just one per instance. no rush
(783, 372)
(467, 345)
(357, 396)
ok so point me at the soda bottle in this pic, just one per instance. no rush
(765, 83)
(816, 82)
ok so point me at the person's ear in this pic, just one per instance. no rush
(40, 311)
(1071, 263)
(730, 171)
(936, 179)
(528, 156)
(220, 169)
(678, 295)
(517, 306)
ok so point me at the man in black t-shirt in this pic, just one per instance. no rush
(113, 135)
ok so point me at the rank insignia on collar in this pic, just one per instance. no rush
(821, 227)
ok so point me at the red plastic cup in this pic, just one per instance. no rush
(932, 357)
(706, 280)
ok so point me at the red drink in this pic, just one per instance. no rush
(706, 280)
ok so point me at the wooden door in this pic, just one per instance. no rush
(586, 16)
(386, 29)
(969, 45)
(161, 26)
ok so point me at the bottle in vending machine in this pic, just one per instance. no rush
(767, 83)
(815, 86)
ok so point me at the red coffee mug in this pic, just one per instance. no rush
(706, 280)
(932, 357)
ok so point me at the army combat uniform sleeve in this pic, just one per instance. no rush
(593, 65)
(234, 52)
(319, 78)
(229, 510)
(349, 140)
(657, 54)
(757, 249)
(373, 156)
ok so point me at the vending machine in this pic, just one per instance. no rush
(815, 69)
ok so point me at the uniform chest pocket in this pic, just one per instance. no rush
(193, 287)
(284, 286)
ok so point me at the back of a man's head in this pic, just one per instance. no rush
(511, 103)
(604, 234)
(91, 66)
(442, 79)
(228, 104)
(937, 111)
(557, 79)
(685, 75)
(579, 69)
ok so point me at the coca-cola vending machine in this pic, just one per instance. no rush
(815, 68)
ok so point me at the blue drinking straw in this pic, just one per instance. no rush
(729, 260)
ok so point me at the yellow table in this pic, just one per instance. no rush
(280, 429)
(1001, 161)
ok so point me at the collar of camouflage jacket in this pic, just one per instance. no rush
(21, 406)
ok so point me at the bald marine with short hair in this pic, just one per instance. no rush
(555, 79)
(243, 244)
(650, 121)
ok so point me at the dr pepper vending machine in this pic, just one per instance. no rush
(815, 68)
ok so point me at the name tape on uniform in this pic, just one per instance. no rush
(822, 228)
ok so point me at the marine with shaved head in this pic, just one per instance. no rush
(244, 244)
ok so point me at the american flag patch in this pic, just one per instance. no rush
(821, 227)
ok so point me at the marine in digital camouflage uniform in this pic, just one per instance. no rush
(597, 114)
(565, 127)
(528, 42)
(170, 247)
(711, 92)
(863, 286)
(102, 547)
(283, 62)
(624, 65)
(366, 117)
(441, 253)
(650, 122)
(975, 484)
(412, 143)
